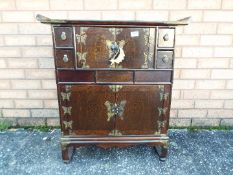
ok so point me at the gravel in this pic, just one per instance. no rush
(190, 153)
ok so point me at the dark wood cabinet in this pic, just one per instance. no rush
(114, 82)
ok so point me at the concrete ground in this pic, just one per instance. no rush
(190, 153)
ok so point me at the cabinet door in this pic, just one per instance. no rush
(83, 110)
(146, 110)
(138, 47)
(92, 51)
(104, 47)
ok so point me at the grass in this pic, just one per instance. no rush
(42, 128)
(201, 128)
(4, 125)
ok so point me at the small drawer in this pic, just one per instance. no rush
(63, 36)
(64, 58)
(166, 37)
(164, 60)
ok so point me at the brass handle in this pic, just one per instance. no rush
(65, 58)
(166, 37)
(63, 35)
(165, 59)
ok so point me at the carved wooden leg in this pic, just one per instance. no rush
(162, 151)
(67, 152)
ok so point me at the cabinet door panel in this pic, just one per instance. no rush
(138, 47)
(99, 47)
(145, 111)
(88, 112)
(92, 51)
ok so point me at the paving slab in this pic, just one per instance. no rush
(25, 152)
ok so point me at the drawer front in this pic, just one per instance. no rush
(164, 60)
(166, 37)
(99, 47)
(146, 109)
(83, 111)
(64, 58)
(63, 36)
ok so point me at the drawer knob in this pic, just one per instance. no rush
(166, 37)
(165, 59)
(63, 35)
(65, 58)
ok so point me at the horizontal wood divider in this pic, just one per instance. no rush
(86, 76)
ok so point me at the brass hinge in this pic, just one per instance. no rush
(115, 109)
(67, 110)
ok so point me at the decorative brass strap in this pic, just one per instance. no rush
(67, 110)
(114, 109)
(68, 124)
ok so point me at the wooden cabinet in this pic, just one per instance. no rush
(114, 82)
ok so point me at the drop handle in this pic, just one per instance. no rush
(165, 59)
(65, 58)
(63, 35)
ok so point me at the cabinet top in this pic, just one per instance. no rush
(47, 20)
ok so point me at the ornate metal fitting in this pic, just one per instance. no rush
(115, 133)
(165, 143)
(115, 109)
(81, 38)
(82, 59)
(116, 52)
(163, 96)
(63, 35)
(162, 111)
(161, 88)
(66, 95)
(115, 88)
(157, 133)
(65, 58)
(161, 124)
(115, 31)
(64, 145)
(67, 110)
(68, 124)
(67, 88)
